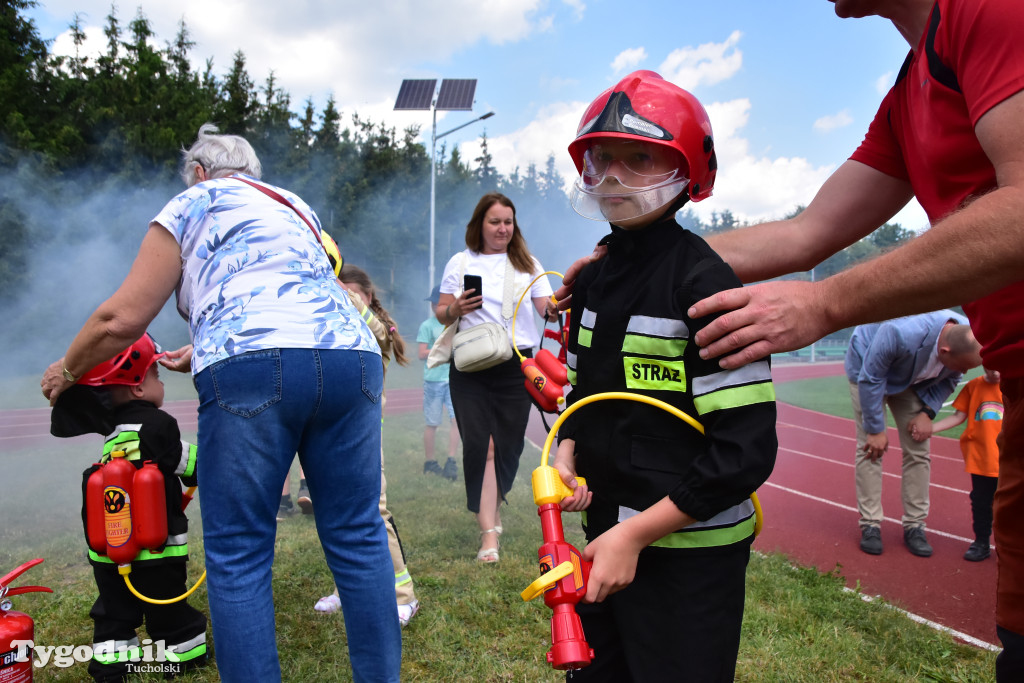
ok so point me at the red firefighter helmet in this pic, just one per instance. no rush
(645, 108)
(128, 367)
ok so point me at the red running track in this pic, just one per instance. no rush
(809, 504)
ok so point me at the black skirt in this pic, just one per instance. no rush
(491, 403)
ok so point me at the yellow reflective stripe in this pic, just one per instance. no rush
(708, 538)
(169, 551)
(402, 578)
(584, 337)
(654, 375)
(175, 656)
(127, 441)
(190, 468)
(735, 397)
(571, 374)
(652, 346)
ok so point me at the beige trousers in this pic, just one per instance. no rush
(917, 464)
(404, 593)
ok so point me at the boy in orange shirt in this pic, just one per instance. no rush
(980, 403)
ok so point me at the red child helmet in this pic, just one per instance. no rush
(128, 367)
(644, 107)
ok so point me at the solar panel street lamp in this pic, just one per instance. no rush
(456, 94)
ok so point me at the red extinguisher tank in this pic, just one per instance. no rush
(552, 367)
(546, 393)
(95, 527)
(118, 494)
(149, 511)
(15, 661)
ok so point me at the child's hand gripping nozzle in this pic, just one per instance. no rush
(564, 573)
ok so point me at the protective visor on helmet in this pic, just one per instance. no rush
(621, 179)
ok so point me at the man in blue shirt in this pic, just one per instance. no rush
(911, 364)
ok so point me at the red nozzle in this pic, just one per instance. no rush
(15, 573)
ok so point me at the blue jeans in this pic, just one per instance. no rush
(256, 411)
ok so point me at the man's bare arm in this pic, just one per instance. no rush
(970, 253)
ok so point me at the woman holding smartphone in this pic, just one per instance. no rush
(492, 406)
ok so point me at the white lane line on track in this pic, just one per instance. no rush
(849, 465)
(928, 622)
(852, 509)
(833, 435)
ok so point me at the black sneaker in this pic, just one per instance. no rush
(871, 540)
(285, 511)
(451, 470)
(431, 467)
(305, 502)
(978, 551)
(916, 542)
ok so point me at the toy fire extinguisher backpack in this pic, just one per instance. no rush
(125, 508)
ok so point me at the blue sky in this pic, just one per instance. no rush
(790, 87)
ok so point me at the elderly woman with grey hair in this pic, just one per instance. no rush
(282, 363)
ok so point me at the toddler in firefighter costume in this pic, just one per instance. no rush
(667, 511)
(121, 399)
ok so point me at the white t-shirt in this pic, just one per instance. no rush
(491, 268)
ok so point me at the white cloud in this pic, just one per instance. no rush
(354, 50)
(829, 123)
(549, 133)
(884, 82)
(752, 187)
(628, 59)
(708, 63)
(578, 7)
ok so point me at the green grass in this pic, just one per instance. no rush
(800, 625)
(831, 395)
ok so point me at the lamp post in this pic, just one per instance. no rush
(434, 137)
(456, 94)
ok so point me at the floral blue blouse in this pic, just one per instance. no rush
(254, 276)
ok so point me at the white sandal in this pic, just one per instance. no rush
(488, 555)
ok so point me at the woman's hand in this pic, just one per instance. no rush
(53, 382)
(565, 463)
(547, 308)
(469, 301)
(179, 360)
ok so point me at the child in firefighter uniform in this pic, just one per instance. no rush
(667, 510)
(121, 399)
